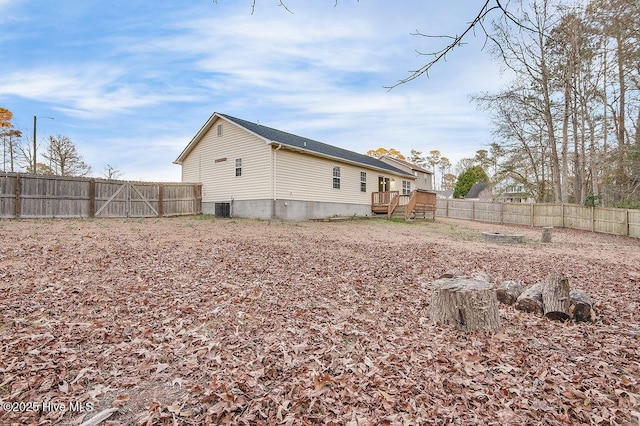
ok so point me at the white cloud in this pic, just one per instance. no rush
(91, 92)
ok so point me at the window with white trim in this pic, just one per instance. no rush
(406, 187)
(363, 181)
(238, 166)
(336, 177)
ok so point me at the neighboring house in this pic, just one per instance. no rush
(515, 193)
(516, 197)
(424, 178)
(444, 193)
(250, 170)
(480, 191)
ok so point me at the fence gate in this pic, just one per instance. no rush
(127, 199)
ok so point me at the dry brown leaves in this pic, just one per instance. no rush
(186, 321)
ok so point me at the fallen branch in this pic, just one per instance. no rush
(100, 417)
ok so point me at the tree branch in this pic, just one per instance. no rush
(457, 40)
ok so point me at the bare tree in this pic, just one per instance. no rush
(10, 138)
(64, 159)
(111, 172)
(24, 155)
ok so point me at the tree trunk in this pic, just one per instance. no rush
(531, 299)
(581, 308)
(565, 139)
(467, 303)
(555, 298)
(508, 292)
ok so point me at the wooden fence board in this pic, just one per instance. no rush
(29, 196)
(7, 196)
(487, 211)
(516, 214)
(610, 221)
(595, 219)
(546, 214)
(633, 223)
(578, 217)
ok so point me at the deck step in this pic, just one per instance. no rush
(398, 213)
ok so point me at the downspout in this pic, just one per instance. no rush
(274, 181)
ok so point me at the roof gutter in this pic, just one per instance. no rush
(342, 160)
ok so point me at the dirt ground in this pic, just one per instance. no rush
(202, 321)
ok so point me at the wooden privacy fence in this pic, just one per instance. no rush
(596, 219)
(35, 196)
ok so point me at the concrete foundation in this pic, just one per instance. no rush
(294, 210)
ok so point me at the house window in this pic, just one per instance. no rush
(336, 177)
(406, 187)
(238, 166)
(363, 182)
(219, 130)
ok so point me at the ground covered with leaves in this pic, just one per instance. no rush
(202, 321)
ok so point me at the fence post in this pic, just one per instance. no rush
(533, 212)
(473, 210)
(447, 207)
(562, 214)
(502, 213)
(198, 198)
(92, 198)
(626, 223)
(160, 200)
(593, 219)
(16, 206)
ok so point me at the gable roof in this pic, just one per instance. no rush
(476, 189)
(298, 143)
(408, 164)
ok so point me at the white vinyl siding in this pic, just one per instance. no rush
(219, 181)
(423, 180)
(308, 178)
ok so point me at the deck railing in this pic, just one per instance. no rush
(419, 201)
(380, 201)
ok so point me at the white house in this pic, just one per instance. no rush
(250, 170)
(424, 177)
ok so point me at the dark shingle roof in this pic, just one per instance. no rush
(476, 189)
(311, 145)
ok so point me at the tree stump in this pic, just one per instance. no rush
(531, 299)
(546, 234)
(555, 298)
(581, 307)
(467, 303)
(508, 292)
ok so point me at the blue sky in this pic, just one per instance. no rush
(131, 82)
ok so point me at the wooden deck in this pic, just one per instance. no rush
(419, 204)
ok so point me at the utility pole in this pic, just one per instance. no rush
(35, 124)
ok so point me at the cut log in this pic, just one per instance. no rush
(451, 273)
(547, 232)
(555, 298)
(508, 292)
(482, 275)
(581, 307)
(531, 299)
(467, 303)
